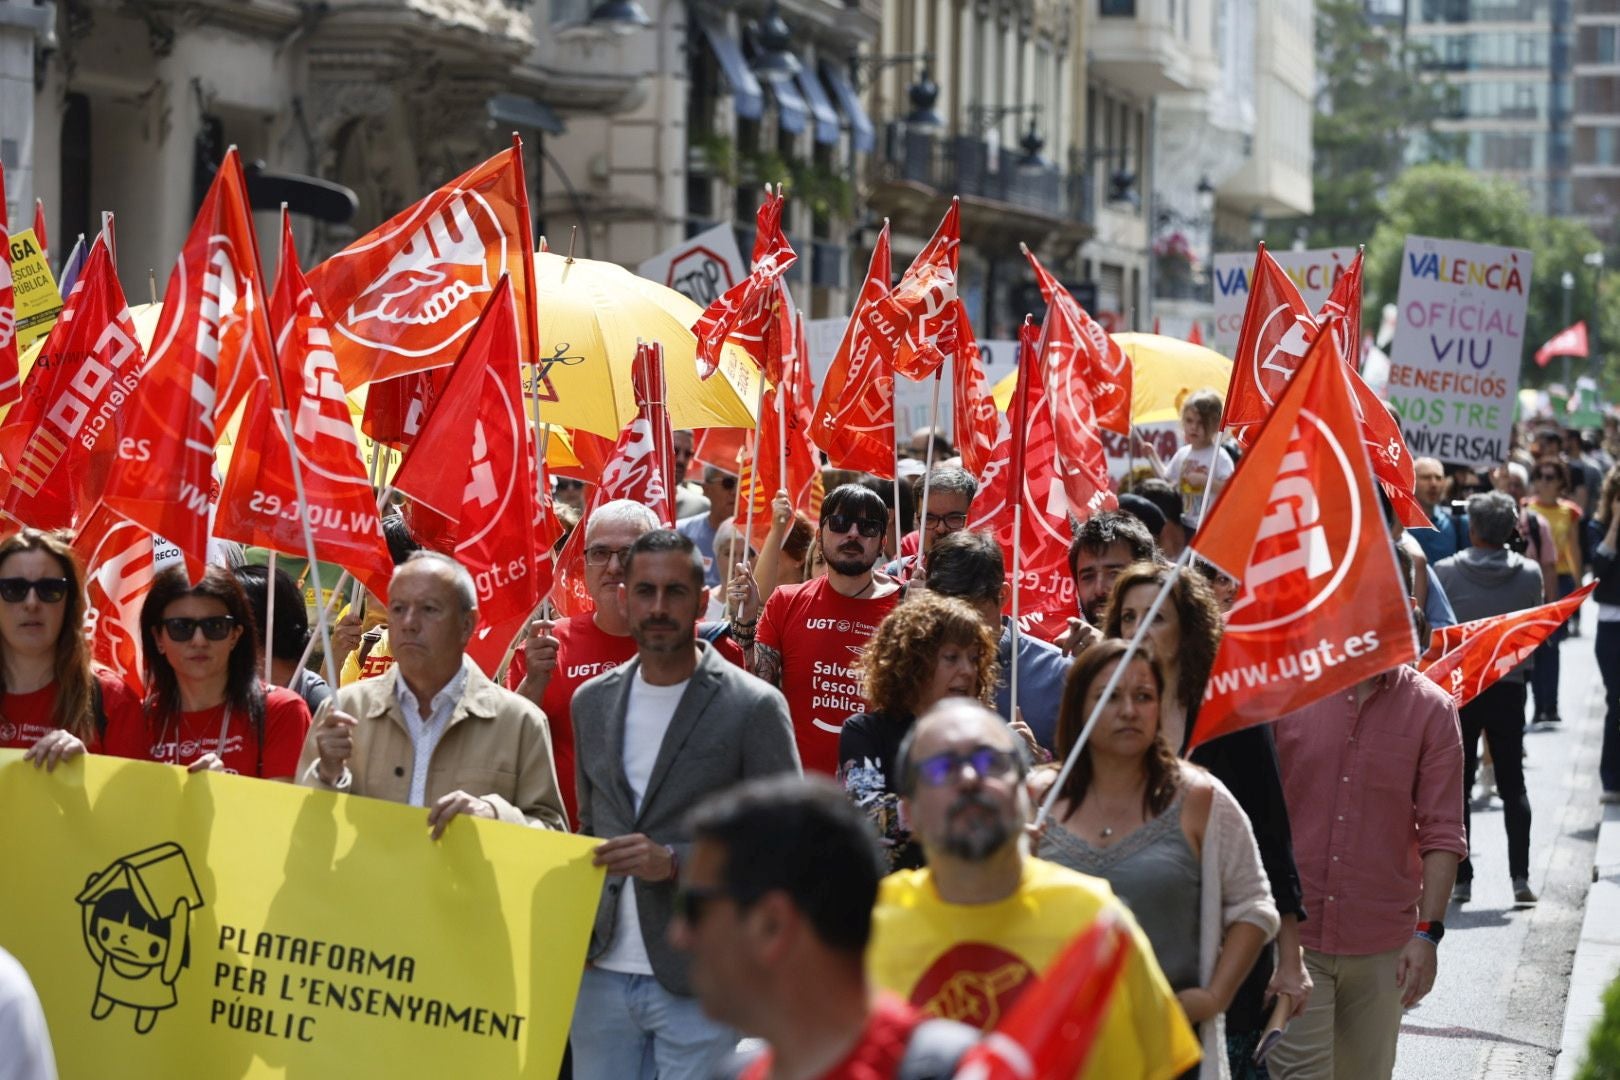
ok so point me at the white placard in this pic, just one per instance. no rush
(1459, 341)
(1313, 273)
(700, 268)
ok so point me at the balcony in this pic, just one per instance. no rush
(1009, 198)
(1132, 45)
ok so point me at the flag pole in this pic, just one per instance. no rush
(330, 607)
(928, 457)
(753, 483)
(269, 610)
(1209, 481)
(1131, 650)
(1015, 480)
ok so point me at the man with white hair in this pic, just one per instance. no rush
(433, 731)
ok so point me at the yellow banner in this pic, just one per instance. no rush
(220, 926)
(38, 301)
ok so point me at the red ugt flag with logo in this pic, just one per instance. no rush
(854, 419)
(745, 311)
(1322, 604)
(1467, 659)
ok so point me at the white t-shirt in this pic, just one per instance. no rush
(1189, 471)
(647, 714)
(25, 1045)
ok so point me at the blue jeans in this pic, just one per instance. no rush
(1544, 676)
(628, 1027)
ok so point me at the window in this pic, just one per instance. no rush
(1121, 8)
(1606, 146)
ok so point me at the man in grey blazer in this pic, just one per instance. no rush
(652, 739)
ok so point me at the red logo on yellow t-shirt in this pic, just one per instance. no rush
(973, 983)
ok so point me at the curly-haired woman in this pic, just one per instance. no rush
(929, 648)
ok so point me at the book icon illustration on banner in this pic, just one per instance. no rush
(137, 928)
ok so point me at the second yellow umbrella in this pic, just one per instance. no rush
(1164, 371)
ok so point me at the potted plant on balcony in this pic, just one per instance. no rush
(1174, 258)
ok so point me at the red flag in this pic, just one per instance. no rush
(978, 423)
(1276, 332)
(61, 438)
(10, 379)
(1322, 605)
(259, 503)
(117, 555)
(792, 429)
(212, 337)
(1465, 659)
(1343, 309)
(641, 470)
(721, 448)
(1051, 1027)
(1568, 342)
(39, 228)
(405, 296)
(1107, 368)
(395, 408)
(1195, 336)
(1023, 469)
(924, 304)
(1080, 461)
(854, 420)
(745, 311)
(473, 464)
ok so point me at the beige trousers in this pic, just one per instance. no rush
(1348, 1030)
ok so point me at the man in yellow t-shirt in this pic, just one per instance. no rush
(964, 937)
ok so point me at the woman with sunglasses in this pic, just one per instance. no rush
(929, 648)
(206, 707)
(53, 703)
(1166, 835)
(1548, 483)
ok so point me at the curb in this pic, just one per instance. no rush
(1597, 953)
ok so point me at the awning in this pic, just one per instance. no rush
(849, 103)
(827, 128)
(749, 100)
(793, 114)
(519, 111)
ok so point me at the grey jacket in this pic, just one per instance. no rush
(728, 727)
(1482, 582)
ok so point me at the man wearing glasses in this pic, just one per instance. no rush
(965, 936)
(950, 502)
(810, 635)
(721, 489)
(656, 736)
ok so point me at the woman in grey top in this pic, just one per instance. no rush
(1167, 836)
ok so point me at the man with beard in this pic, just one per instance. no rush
(654, 737)
(1104, 545)
(964, 937)
(810, 635)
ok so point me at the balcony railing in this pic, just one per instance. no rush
(964, 165)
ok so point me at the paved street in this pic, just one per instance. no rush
(1497, 1010)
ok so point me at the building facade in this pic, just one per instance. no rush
(1595, 168)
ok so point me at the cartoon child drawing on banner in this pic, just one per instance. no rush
(137, 927)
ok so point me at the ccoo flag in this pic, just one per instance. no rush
(1322, 605)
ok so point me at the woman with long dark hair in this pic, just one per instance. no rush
(1166, 835)
(53, 703)
(1185, 635)
(206, 707)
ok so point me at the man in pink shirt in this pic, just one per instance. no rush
(1372, 778)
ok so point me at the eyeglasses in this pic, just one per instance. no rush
(842, 523)
(214, 628)
(1548, 476)
(945, 521)
(50, 590)
(690, 900)
(726, 481)
(601, 556)
(988, 763)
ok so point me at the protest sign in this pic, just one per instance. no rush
(1459, 339)
(220, 926)
(38, 301)
(702, 268)
(1313, 273)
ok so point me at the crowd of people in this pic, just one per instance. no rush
(813, 782)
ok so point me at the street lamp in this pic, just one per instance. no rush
(619, 16)
(922, 94)
(1567, 280)
(775, 39)
(1206, 195)
(1257, 224)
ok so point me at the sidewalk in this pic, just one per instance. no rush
(1597, 954)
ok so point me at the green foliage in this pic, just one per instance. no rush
(824, 191)
(717, 154)
(1603, 1050)
(1372, 108)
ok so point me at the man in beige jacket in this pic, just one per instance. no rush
(433, 731)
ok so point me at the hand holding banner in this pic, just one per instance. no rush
(225, 927)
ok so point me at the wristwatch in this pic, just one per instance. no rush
(1432, 931)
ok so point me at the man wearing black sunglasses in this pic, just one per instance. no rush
(966, 935)
(721, 489)
(775, 911)
(810, 635)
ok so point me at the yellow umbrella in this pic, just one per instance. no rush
(591, 316)
(1164, 370)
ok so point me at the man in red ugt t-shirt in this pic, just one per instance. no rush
(810, 635)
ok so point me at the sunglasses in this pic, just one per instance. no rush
(14, 590)
(1548, 476)
(691, 900)
(842, 523)
(988, 763)
(727, 481)
(214, 628)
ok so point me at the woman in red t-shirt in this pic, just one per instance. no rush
(206, 707)
(53, 704)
